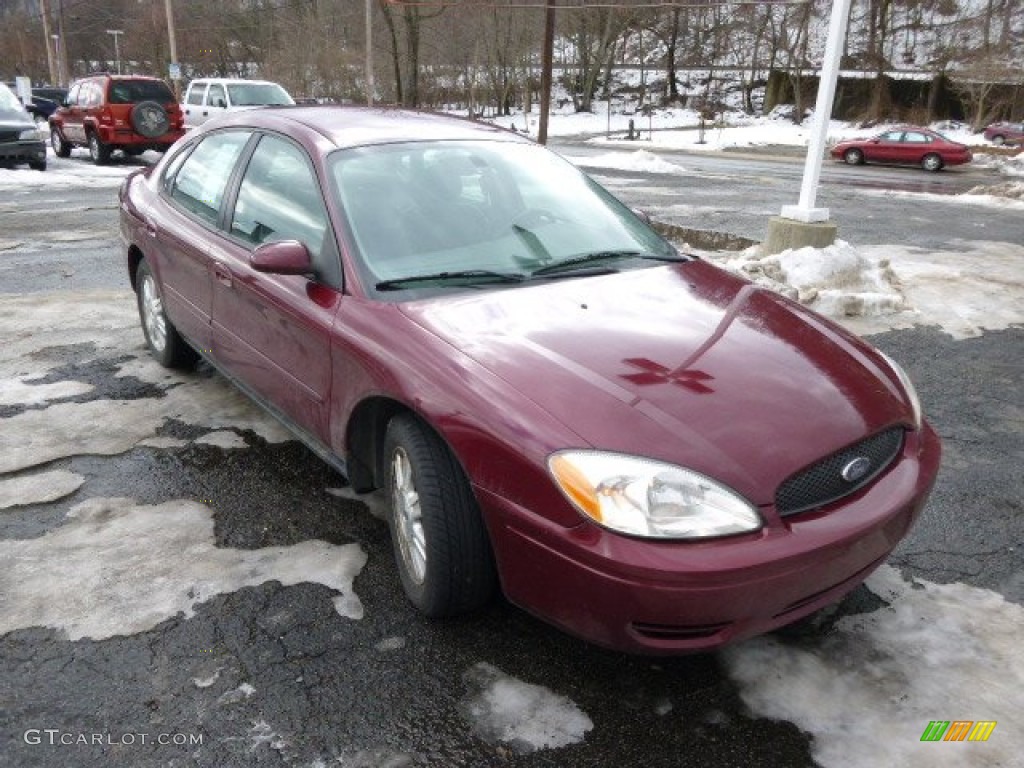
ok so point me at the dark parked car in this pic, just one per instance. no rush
(45, 101)
(909, 145)
(116, 112)
(20, 140)
(645, 450)
(1005, 133)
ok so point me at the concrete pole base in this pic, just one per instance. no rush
(784, 234)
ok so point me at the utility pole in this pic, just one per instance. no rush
(56, 49)
(117, 49)
(51, 61)
(175, 69)
(63, 70)
(545, 74)
(369, 53)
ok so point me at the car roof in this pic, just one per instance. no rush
(348, 126)
(231, 80)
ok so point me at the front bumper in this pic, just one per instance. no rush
(23, 152)
(646, 596)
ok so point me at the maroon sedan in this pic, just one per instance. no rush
(904, 146)
(638, 447)
(1005, 133)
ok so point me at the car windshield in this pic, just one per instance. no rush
(9, 104)
(258, 95)
(132, 91)
(485, 212)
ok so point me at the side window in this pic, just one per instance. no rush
(913, 137)
(215, 96)
(279, 199)
(199, 184)
(891, 136)
(72, 98)
(195, 94)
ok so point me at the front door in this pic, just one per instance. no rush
(273, 332)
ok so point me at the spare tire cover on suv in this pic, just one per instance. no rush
(150, 119)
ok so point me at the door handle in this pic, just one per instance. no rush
(223, 275)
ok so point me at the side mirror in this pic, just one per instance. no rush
(644, 216)
(284, 257)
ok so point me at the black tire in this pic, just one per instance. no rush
(853, 157)
(998, 139)
(98, 151)
(931, 162)
(162, 338)
(150, 119)
(37, 165)
(60, 147)
(426, 487)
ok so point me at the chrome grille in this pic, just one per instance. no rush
(823, 482)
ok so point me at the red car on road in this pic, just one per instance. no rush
(908, 145)
(644, 450)
(1005, 133)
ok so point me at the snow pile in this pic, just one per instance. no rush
(641, 161)
(84, 577)
(67, 174)
(1011, 190)
(868, 690)
(837, 281)
(526, 717)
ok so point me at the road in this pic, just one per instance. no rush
(737, 192)
(273, 675)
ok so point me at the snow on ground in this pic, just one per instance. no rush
(109, 321)
(972, 287)
(527, 717)
(83, 578)
(867, 691)
(38, 488)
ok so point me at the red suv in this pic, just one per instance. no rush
(108, 112)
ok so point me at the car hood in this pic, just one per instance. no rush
(682, 363)
(14, 122)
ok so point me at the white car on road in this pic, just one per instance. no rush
(209, 97)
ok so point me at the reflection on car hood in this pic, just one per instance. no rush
(15, 121)
(682, 363)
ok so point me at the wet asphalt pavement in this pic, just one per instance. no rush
(389, 689)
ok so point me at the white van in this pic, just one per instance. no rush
(209, 97)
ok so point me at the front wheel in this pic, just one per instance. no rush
(441, 544)
(98, 151)
(931, 162)
(60, 147)
(853, 157)
(999, 140)
(162, 338)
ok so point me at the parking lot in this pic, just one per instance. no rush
(182, 584)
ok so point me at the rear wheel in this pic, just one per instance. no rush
(98, 151)
(999, 140)
(37, 165)
(441, 544)
(853, 157)
(60, 147)
(162, 338)
(931, 162)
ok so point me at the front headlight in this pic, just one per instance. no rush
(643, 497)
(908, 387)
(30, 135)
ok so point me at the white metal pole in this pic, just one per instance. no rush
(369, 53)
(117, 48)
(805, 210)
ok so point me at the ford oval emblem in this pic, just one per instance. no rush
(856, 469)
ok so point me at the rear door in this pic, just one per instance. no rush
(72, 118)
(194, 101)
(271, 331)
(885, 148)
(194, 187)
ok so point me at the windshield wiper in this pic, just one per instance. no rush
(589, 258)
(472, 275)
